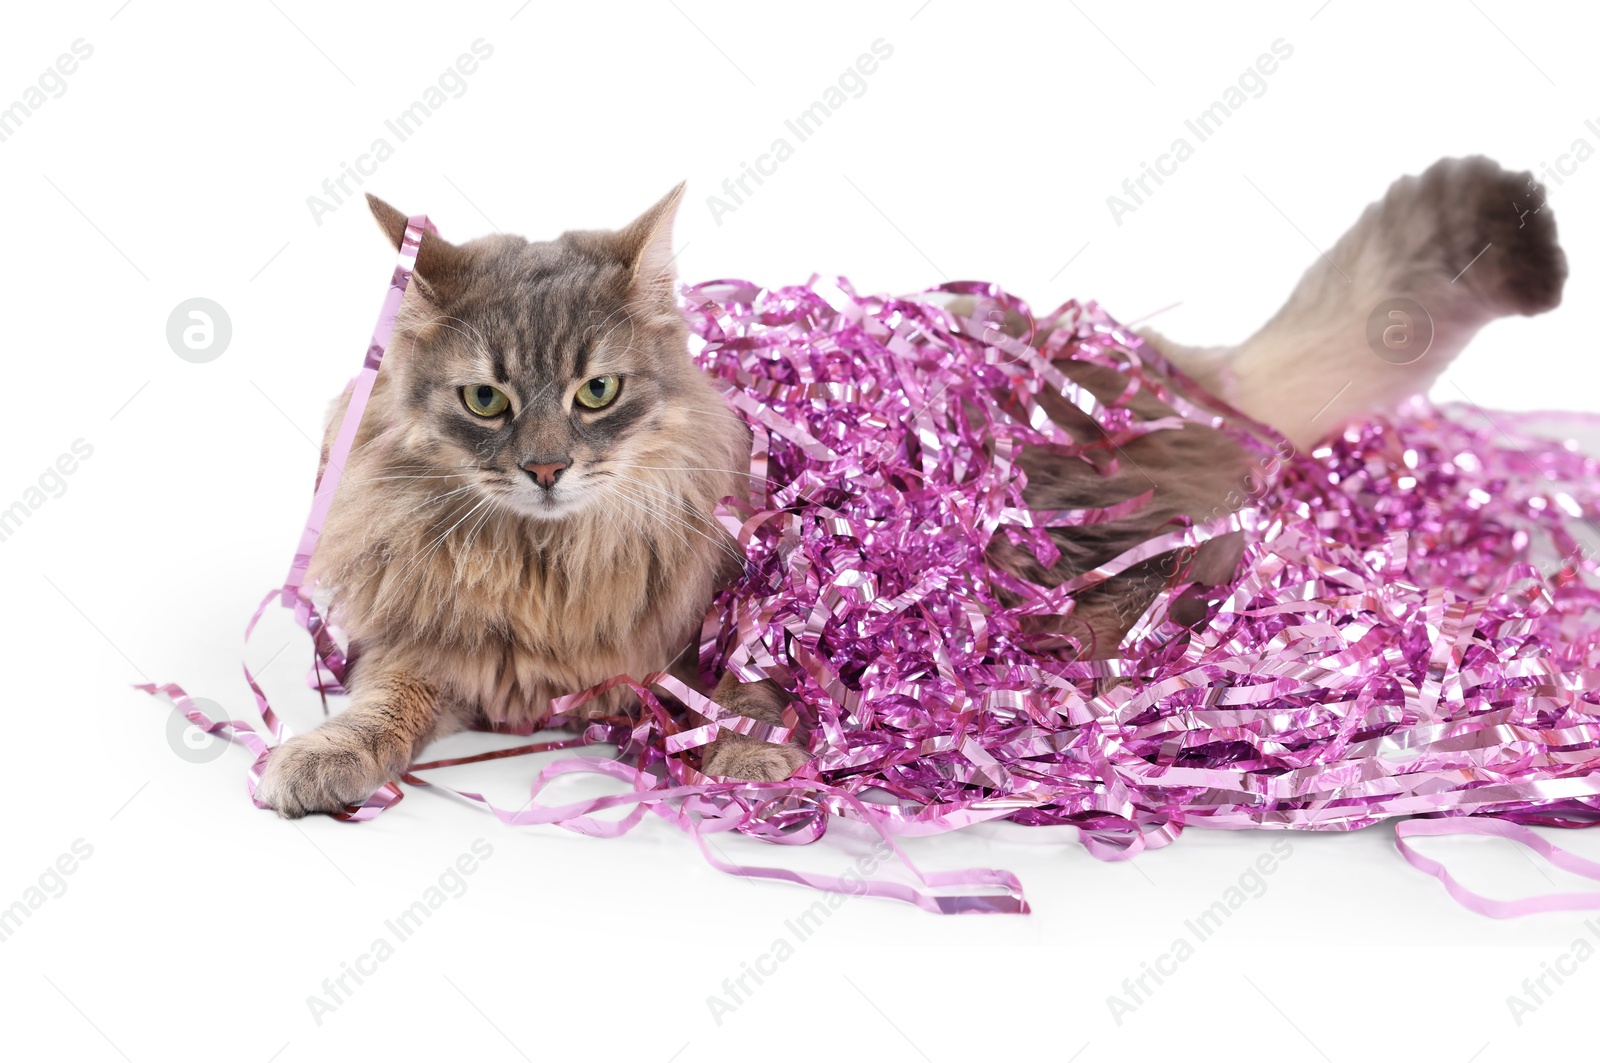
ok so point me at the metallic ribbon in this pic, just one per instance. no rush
(1387, 649)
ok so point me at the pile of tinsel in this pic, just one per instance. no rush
(1388, 648)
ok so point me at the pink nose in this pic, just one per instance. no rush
(546, 473)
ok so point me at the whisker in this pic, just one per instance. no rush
(433, 546)
(641, 507)
(438, 498)
(726, 412)
(721, 544)
(466, 552)
(413, 476)
(736, 472)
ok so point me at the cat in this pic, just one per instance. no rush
(528, 507)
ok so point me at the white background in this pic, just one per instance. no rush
(178, 163)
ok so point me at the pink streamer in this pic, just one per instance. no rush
(1387, 648)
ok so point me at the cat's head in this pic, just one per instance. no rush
(550, 374)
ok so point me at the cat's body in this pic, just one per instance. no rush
(486, 558)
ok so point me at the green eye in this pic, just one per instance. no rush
(485, 400)
(600, 392)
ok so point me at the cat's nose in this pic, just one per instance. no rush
(546, 473)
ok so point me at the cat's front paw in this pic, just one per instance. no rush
(737, 756)
(322, 771)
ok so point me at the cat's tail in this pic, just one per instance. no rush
(1377, 318)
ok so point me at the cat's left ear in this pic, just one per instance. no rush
(441, 268)
(646, 245)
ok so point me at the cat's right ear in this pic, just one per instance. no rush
(441, 266)
(645, 244)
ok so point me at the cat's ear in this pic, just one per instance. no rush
(646, 246)
(441, 266)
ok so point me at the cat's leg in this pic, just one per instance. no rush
(738, 756)
(393, 712)
(1466, 242)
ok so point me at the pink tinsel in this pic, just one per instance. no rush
(1389, 647)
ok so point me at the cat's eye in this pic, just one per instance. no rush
(600, 392)
(485, 400)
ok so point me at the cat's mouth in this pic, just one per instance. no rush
(545, 503)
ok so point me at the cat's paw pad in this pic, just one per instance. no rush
(737, 756)
(319, 772)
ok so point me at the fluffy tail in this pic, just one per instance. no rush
(1377, 319)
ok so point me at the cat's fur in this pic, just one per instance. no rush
(476, 596)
